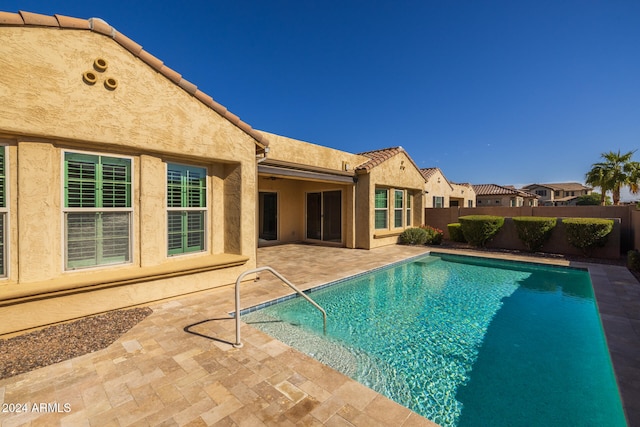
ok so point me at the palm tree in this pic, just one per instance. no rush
(598, 177)
(613, 173)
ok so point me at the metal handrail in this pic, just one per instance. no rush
(238, 344)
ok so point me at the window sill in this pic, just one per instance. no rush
(78, 281)
(387, 233)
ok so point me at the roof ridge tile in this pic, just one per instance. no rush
(38, 19)
(127, 43)
(70, 22)
(100, 26)
(151, 60)
(171, 74)
(187, 86)
(9, 18)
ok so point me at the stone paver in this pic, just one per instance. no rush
(178, 367)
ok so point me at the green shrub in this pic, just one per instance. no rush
(534, 231)
(587, 233)
(455, 232)
(633, 260)
(413, 236)
(479, 229)
(434, 235)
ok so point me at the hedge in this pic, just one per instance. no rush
(587, 233)
(479, 229)
(633, 260)
(455, 232)
(534, 231)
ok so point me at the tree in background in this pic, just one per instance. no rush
(614, 172)
(593, 199)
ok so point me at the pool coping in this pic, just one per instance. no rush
(617, 294)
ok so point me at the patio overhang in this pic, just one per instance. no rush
(283, 170)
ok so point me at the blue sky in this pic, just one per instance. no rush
(504, 92)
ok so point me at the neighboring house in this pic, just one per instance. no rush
(441, 193)
(312, 193)
(122, 183)
(558, 194)
(498, 195)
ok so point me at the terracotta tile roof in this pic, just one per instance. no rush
(564, 186)
(379, 156)
(429, 172)
(499, 190)
(99, 26)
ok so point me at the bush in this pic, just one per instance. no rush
(633, 260)
(434, 235)
(455, 232)
(413, 236)
(534, 231)
(587, 233)
(479, 229)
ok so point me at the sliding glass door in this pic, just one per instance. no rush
(324, 216)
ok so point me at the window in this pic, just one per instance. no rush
(3, 212)
(186, 208)
(438, 201)
(409, 197)
(541, 192)
(398, 203)
(97, 210)
(381, 208)
(470, 203)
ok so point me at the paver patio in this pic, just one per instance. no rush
(177, 367)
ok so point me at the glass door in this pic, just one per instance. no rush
(324, 216)
(268, 216)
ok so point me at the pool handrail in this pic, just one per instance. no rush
(238, 344)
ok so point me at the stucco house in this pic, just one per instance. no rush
(558, 194)
(122, 183)
(498, 195)
(312, 193)
(442, 193)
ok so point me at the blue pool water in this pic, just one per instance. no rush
(464, 341)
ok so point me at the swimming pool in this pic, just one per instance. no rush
(463, 341)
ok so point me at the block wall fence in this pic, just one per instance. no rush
(625, 235)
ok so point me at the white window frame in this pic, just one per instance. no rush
(398, 211)
(382, 209)
(408, 219)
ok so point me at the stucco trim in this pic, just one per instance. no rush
(68, 285)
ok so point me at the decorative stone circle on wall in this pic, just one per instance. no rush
(100, 65)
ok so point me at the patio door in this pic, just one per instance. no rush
(268, 216)
(324, 216)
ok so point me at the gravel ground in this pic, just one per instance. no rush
(65, 341)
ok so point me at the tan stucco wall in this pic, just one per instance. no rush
(398, 172)
(47, 108)
(306, 153)
(437, 185)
